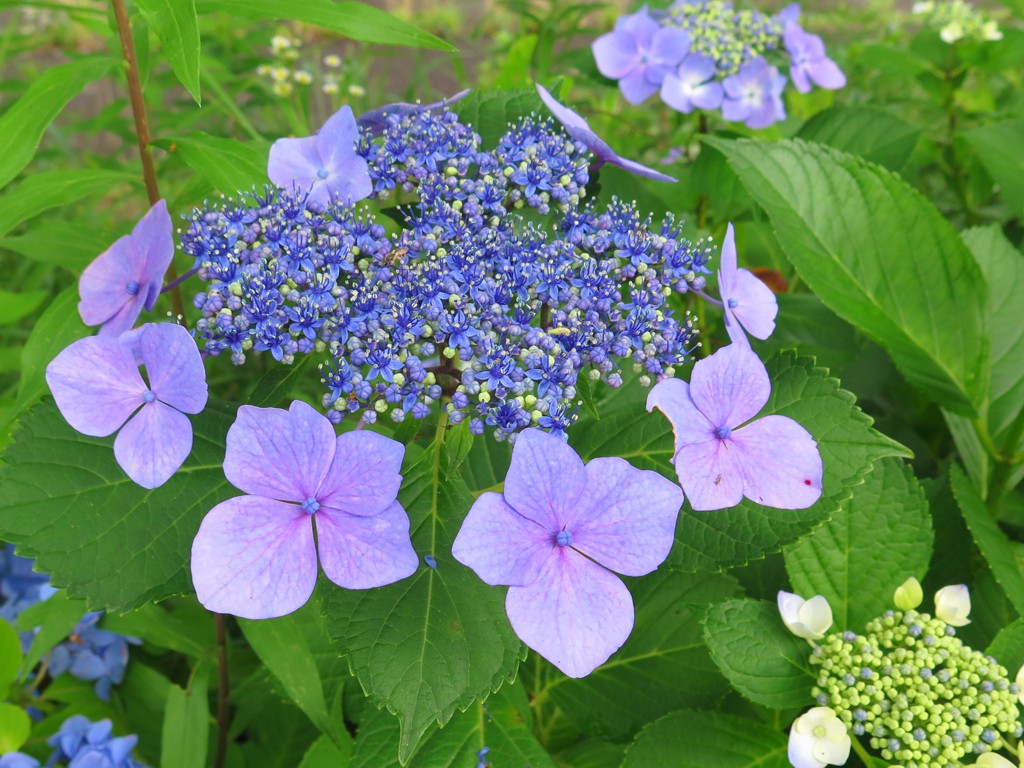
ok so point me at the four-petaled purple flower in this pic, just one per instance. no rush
(580, 130)
(639, 53)
(773, 460)
(692, 85)
(255, 556)
(555, 537)
(749, 304)
(128, 276)
(98, 387)
(808, 61)
(325, 165)
(754, 95)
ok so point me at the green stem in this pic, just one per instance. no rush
(223, 692)
(868, 760)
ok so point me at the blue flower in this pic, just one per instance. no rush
(639, 53)
(808, 62)
(692, 85)
(754, 95)
(82, 743)
(92, 653)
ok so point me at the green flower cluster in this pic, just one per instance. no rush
(956, 19)
(921, 696)
(728, 36)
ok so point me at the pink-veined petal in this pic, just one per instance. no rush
(730, 387)
(103, 286)
(627, 517)
(153, 239)
(545, 479)
(255, 558)
(755, 304)
(689, 425)
(279, 454)
(174, 366)
(96, 384)
(780, 463)
(576, 614)
(365, 474)
(500, 545)
(362, 552)
(294, 163)
(710, 475)
(153, 444)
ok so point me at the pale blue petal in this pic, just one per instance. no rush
(710, 474)
(545, 479)
(780, 463)
(174, 366)
(365, 474)
(500, 545)
(154, 444)
(359, 552)
(730, 387)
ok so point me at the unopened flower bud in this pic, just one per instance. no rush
(809, 619)
(953, 604)
(909, 595)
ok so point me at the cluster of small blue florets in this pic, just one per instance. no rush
(500, 288)
(729, 36)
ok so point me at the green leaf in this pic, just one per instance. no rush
(698, 739)
(869, 132)
(490, 112)
(995, 547)
(228, 164)
(998, 147)
(177, 27)
(15, 727)
(439, 640)
(758, 655)
(282, 648)
(840, 560)
(354, 20)
(97, 533)
(502, 724)
(54, 619)
(1008, 646)
(50, 189)
(324, 754)
(880, 256)
(68, 244)
(23, 124)
(14, 306)
(278, 383)
(185, 732)
(814, 330)
(163, 628)
(664, 664)
(10, 655)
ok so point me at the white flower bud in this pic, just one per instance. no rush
(818, 738)
(953, 604)
(992, 760)
(809, 619)
(908, 595)
(1020, 684)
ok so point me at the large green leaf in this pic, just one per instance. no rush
(184, 737)
(998, 145)
(354, 20)
(439, 640)
(502, 724)
(22, 125)
(840, 560)
(177, 27)
(490, 112)
(701, 739)
(664, 664)
(872, 133)
(68, 244)
(228, 164)
(758, 655)
(67, 503)
(1008, 646)
(711, 541)
(51, 621)
(50, 189)
(878, 254)
(14, 306)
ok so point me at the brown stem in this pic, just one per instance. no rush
(124, 32)
(223, 690)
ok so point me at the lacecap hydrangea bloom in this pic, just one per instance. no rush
(255, 556)
(557, 535)
(471, 299)
(705, 54)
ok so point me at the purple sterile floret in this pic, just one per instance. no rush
(326, 166)
(81, 742)
(692, 85)
(808, 62)
(555, 536)
(91, 653)
(580, 130)
(127, 276)
(98, 388)
(254, 555)
(720, 454)
(749, 304)
(639, 53)
(374, 122)
(754, 95)
(18, 760)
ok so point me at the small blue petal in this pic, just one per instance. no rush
(430, 561)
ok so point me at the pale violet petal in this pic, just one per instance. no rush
(564, 115)
(154, 444)
(174, 366)
(709, 475)
(779, 462)
(153, 240)
(637, 169)
(500, 545)
(689, 425)
(254, 558)
(615, 54)
(365, 474)
(575, 614)
(358, 552)
(730, 387)
(336, 139)
(104, 285)
(755, 304)
(636, 87)
(545, 479)
(294, 163)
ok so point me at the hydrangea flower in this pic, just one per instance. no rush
(373, 122)
(692, 85)
(753, 95)
(809, 619)
(773, 460)
(21, 587)
(92, 653)
(956, 20)
(580, 130)
(808, 62)
(749, 304)
(953, 604)
(98, 389)
(818, 738)
(127, 277)
(326, 165)
(18, 760)
(255, 557)
(85, 744)
(639, 53)
(556, 535)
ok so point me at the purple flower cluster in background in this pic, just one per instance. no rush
(81, 743)
(474, 297)
(91, 653)
(705, 54)
(21, 587)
